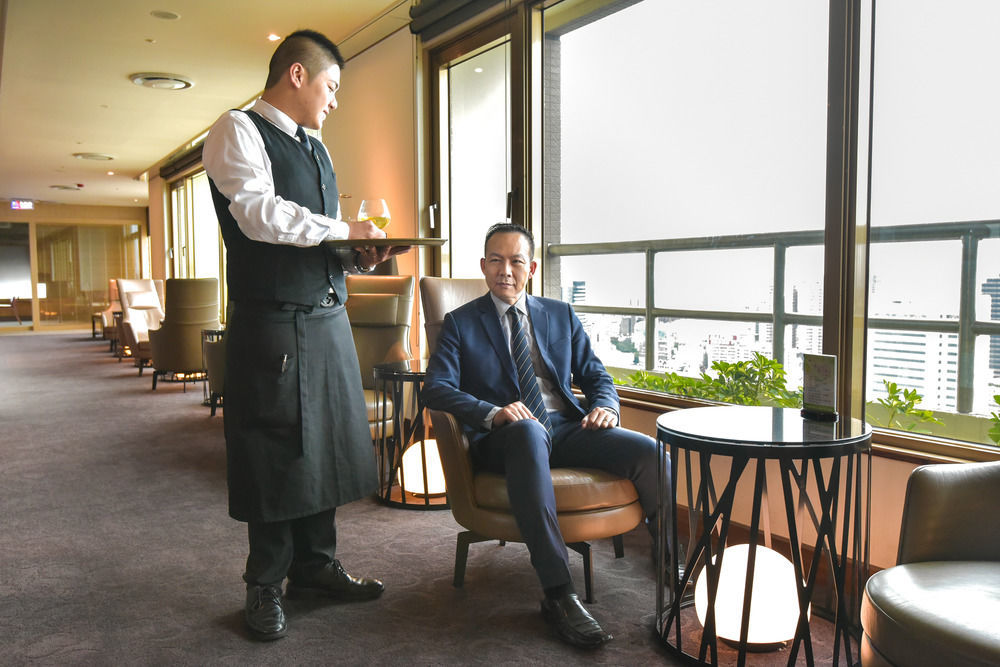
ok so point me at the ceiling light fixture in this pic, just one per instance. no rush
(100, 157)
(161, 81)
(78, 186)
(164, 14)
(273, 38)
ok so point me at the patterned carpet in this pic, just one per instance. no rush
(117, 548)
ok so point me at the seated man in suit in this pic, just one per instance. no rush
(503, 366)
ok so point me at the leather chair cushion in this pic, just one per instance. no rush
(577, 490)
(935, 613)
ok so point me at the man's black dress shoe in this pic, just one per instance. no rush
(263, 612)
(572, 622)
(331, 581)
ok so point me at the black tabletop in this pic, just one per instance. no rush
(401, 370)
(761, 432)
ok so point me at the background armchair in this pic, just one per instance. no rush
(380, 308)
(590, 504)
(940, 604)
(192, 305)
(142, 310)
(109, 331)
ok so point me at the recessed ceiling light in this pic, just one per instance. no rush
(165, 14)
(273, 38)
(101, 157)
(111, 173)
(161, 81)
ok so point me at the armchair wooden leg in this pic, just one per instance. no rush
(465, 538)
(583, 548)
(214, 398)
(619, 546)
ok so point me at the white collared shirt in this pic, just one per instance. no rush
(236, 160)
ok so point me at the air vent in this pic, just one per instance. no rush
(100, 157)
(67, 187)
(161, 81)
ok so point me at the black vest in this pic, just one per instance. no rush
(257, 271)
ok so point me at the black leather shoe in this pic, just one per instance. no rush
(573, 623)
(332, 582)
(263, 612)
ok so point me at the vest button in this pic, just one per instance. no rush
(323, 186)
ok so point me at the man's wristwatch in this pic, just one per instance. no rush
(358, 266)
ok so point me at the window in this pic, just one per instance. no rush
(685, 161)
(935, 201)
(195, 247)
(732, 183)
(474, 148)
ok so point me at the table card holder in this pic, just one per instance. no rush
(819, 387)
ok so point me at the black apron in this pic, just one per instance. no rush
(297, 435)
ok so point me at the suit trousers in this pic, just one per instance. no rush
(524, 452)
(296, 545)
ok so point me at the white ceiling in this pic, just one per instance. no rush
(64, 85)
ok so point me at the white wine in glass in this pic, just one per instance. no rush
(375, 210)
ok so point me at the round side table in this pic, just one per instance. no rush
(401, 430)
(824, 470)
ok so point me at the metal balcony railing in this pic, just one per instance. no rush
(966, 326)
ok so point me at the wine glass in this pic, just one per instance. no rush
(375, 210)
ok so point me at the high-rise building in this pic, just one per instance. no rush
(992, 289)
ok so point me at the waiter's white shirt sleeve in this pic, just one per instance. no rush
(236, 161)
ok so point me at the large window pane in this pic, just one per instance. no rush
(696, 133)
(935, 204)
(479, 153)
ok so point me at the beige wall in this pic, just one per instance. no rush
(372, 140)
(157, 228)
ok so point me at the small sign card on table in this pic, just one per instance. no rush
(819, 387)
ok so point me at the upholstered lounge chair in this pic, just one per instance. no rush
(142, 310)
(590, 504)
(940, 605)
(192, 305)
(379, 308)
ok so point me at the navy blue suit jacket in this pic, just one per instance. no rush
(471, 371)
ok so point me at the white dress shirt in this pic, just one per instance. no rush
(236, 160)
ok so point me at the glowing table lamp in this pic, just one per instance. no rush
(412, 471)
(774, 606)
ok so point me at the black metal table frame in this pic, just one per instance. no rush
(408, 429)
(846, 554)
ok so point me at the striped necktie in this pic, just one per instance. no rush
(531, 395)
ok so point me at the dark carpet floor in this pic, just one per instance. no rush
(116, 547)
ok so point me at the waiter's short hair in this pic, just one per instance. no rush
(312, 49)
(506, 228)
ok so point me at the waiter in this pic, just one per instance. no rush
(298, 443)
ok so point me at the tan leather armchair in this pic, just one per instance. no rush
(142, 310)
(590, 504)
(192, 305)
(380, 308)
(940, 604)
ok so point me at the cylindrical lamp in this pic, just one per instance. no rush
(413, 473)
(774, 606)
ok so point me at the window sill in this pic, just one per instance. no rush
(895, 445)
